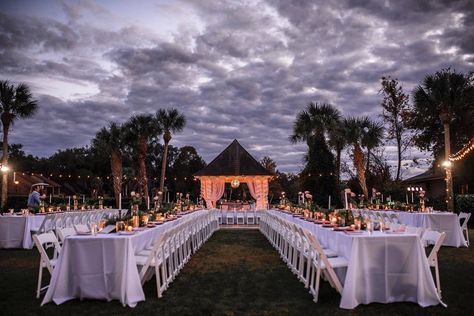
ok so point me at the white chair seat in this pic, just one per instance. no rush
(141, 260)
(336, 262)
(330, 253)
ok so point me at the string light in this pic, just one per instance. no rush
(108, 177)
(463, 152)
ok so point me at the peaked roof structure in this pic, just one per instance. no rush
(234, 161)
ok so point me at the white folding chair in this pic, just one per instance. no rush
(42, 243)
(250, 217)
(394, 218)
(47, 225)
(321, 264)
(230, 217)
(435, 238)
(240, 218)
(62, 233)
(154, 258)
(466, 217)
(415, 230)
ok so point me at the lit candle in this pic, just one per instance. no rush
(129, 228)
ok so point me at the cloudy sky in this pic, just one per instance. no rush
(236, 69)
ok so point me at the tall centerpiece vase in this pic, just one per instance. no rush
(101, 203)
(75, 203)
(135, 216)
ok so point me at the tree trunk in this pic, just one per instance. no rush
(116, 167)
(360, 168)
(142, 178)
(445, 118)
(6, 127)
(163, 166)
(338, 168)
(367, 165)
(399, 165)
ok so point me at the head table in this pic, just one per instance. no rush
(439, 221)
(15, 231)
(103, 266)
(383, 267)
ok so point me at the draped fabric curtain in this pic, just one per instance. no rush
(212, 190)
(252, 189)
(258, 188)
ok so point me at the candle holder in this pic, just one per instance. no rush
(120, 226)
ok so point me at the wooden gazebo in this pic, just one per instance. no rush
(234, 165)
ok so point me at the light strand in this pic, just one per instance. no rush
(468, 148)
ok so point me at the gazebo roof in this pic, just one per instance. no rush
(234, 161)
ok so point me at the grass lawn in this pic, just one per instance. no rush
(236, 272)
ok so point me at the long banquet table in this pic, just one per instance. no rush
(102, 266)
(383, 268)
(438, 221)
(15, 231)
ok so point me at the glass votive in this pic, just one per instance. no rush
(120, 226)
(93, 229)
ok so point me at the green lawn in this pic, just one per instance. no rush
(236, 272)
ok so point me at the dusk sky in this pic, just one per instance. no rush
(236, 69)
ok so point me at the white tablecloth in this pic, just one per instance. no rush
(442, 222)
(383, 268)
(15, 231)
(102, 267)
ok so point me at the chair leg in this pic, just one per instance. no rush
(467, 237)
(40, 277)
(316, 288)
(438, 283)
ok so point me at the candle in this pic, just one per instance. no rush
(69, 200)
(329, 207)
(347, 203)
(129, 228)
(148, 202)
(407, 197)
(83, 199)
(50, 198)
(120, 201)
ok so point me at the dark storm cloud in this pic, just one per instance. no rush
(244, 73)
(20, 32)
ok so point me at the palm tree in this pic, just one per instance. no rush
(447, 96)
(338, 141)
(140, 130)
(15, 103)
(110, 142)
(314, 121)
(372, 138)
(355, 134)
(170, 121)
(313, 125)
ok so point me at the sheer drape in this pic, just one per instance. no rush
(212, 190)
